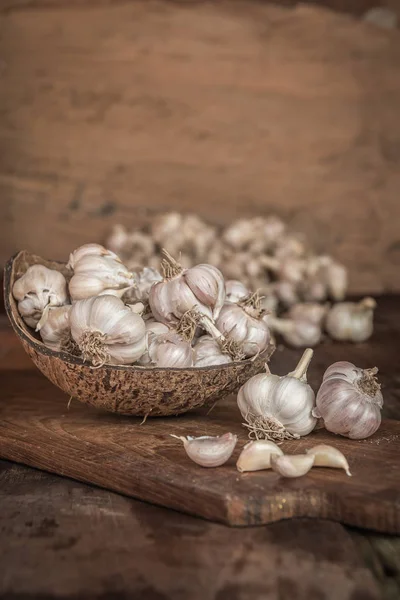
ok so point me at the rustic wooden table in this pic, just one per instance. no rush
(63, 539)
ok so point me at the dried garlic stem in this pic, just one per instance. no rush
(170, 267)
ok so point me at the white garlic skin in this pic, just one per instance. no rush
(201, 287)
(209, 451)
(351, 321)
(37, 288)
(235, 290)
(89, 250)
(309, 311)
(299, 333)
(294, 465)
(124, 331)
(54, 327)
(96, 274)
(256, 456)
(349, 401)
(153, 330)
(144, 281)
(328, 456)
(236, 324)
(207, 352)
(288, 399)
(169, 350)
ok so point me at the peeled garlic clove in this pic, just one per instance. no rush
(209, 451)
(328, 456)
(256, 456)
(295, 465)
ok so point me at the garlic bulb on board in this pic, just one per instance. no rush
(299, 333)
(351, 321)
(350, 400)
(207, 352)
(242, 323)
(170, 350)
(55, 329)
(294, 465)
(37, 288)
(278, 408)
(209, 451)
(201, 287)
(107, 331)
(236, 290)
(256, 456)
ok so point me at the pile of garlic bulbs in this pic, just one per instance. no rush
(107, 314)
(295, 285)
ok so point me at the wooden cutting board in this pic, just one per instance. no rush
(143, 461)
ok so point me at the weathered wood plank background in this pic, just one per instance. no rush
(113, 111)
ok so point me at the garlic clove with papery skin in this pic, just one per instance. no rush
(294, 465)
(209, 451)
(170, 350)
(328, 456)
(90, 250)
(55, 329)
(208, 352)
(256, 456)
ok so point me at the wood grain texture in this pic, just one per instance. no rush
(143, 461)
(113, 113)
(61, 540)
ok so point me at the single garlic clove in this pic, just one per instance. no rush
(295, 465)
(328, 456)
(209, 451)
(256, 456)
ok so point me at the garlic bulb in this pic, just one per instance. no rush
(153, 329)
(55, 330)
(96, 274)
(350, 400)
(278, 408)
(351, 321)
(236, 290)
(170, 350)
(296, 332)
(309, 311)
(37, 288)
(242, 324)
(209, 451)
(89, 250)
(294, 465)
(145, 279)
(328, 456)
(201, 287)
(286, 292)
(207, 352)
(107, 331)
(256, 456)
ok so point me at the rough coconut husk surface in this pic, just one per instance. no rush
(127, 390)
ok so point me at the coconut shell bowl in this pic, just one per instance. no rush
(127, 390)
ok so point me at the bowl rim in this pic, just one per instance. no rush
(10, 305)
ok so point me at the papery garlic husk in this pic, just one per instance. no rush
(287, 292)
(89, 250)
(243, 324)
(293, 465)
(350, 400)
(37, 288)
(256, 456)
(201, 287)
(351, 321)
(299, 333)
(209, 451)
(236, 290)
(55, 329)
(144, 280)
(208, 352)
(97, 274)
(278, 408)
(170, 350)
(107, 331)
(328, 456)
